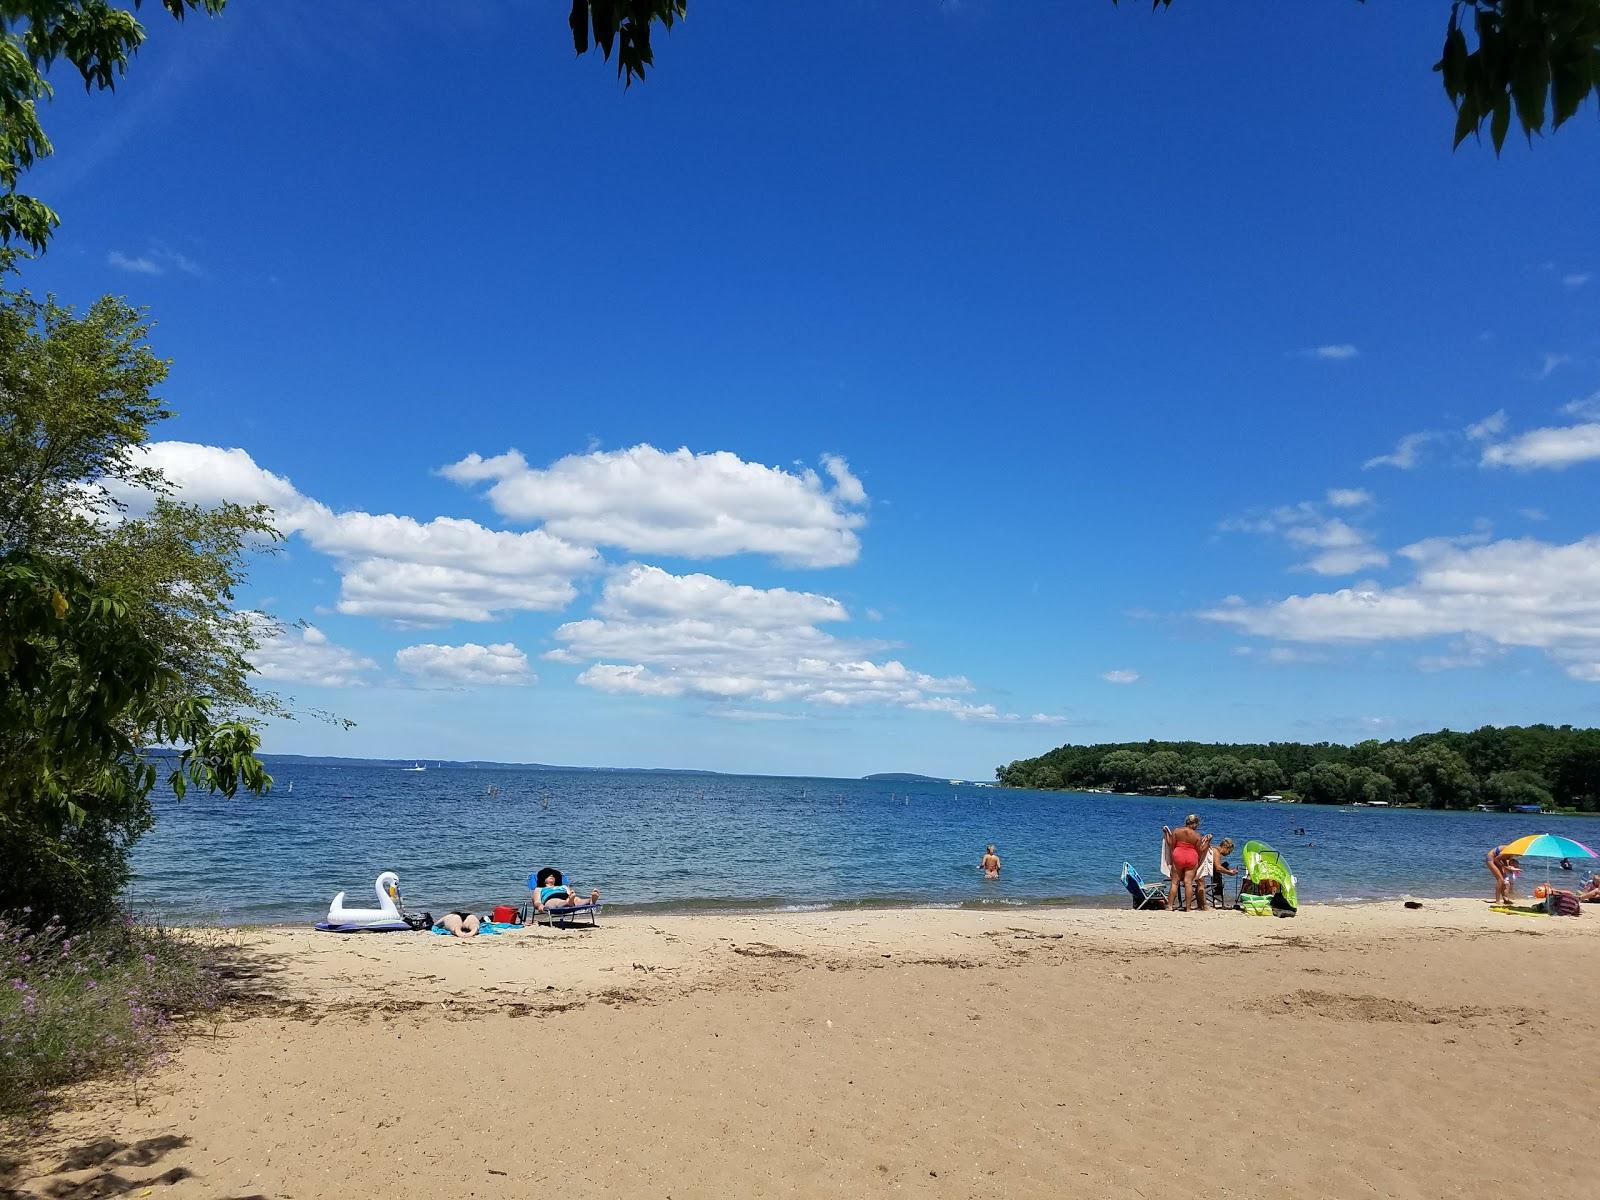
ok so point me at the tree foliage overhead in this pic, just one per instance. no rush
(1540, 58)
(1534, 764)
(96, 39)
(625, 25)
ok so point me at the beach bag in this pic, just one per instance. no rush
(422, 920)
(503, 914)
(1256, 906)
(1564, 904)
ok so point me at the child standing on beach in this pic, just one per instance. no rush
(1219, 869)
(990, 866)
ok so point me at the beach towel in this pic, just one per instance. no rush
(483, 927)
(1204, 871)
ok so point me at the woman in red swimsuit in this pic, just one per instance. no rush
(1187, 848)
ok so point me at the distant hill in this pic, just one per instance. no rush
(902, 777)
(323, 760)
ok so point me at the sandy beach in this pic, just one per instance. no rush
(1353, 1051)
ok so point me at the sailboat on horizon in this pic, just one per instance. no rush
(418, 767)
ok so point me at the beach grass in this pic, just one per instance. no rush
(93, 1004)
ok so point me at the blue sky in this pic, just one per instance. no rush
(1030, 370)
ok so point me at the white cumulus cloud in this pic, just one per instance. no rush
(1515, 592)
(136, 264)
(1554, 447)
(659, 634)
(1121, 676)
(303, 654)
(709, 505)
(468, 665)
(392, 567)
(155, 261)
(1490, 427)
(1406, 454)
(1550, 363)
(1348, 497)
(1336, 547)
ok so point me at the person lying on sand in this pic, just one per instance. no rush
(1186, 847)
(990, 866)
(552, 894)
(461, 923)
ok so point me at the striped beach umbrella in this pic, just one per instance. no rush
(1547, 845)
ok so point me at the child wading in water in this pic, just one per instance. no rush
(990, 866)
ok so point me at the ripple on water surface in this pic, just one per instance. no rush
(686, 841)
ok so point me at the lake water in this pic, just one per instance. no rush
(674, 841)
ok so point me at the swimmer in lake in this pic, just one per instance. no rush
(990, 866)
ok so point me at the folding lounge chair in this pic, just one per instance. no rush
(1144, 895)
(562, 915)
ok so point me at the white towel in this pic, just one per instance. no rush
(1206, 862)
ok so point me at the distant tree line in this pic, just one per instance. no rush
(1532, 764)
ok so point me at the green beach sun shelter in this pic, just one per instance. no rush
(1263, 865)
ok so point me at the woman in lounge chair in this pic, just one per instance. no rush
(1186, 847)
(552, 895)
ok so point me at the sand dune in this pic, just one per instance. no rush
(1350, 1052)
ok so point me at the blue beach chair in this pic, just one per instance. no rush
(563, 915)
(1144, 895)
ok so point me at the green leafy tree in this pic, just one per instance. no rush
(1122, 770)
(77, 402)
(95, 38)
(1439, 769)
(1575, 770)
(1506, 788)
(1444, 780)
(84, 695)
(118, 632)
(1325, 783)
(1163, 769)
(1363, 785)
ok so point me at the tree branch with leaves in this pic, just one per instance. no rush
(96, 39)
(1540, 58)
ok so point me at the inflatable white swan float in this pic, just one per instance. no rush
(386, 916)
